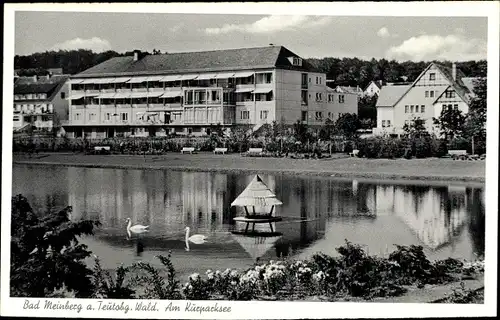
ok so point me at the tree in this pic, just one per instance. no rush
(475, 122)
(327, 130)
(416, 128)
(46, 254)
(450, 122)
(347, 125)
(367, 108)
(300, 131)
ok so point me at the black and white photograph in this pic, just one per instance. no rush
(250, 161)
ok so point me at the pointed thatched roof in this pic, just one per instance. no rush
(256, 247)
(256, 194)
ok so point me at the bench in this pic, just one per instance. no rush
(458, 154)
(220, 150)
(187, 149)
(254, 151)
(354, 153)
(102, 149)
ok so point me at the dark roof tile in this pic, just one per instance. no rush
(202, 61)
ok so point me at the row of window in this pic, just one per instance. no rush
(414, 109)
(260, 78)
(30, 96)
(430, 93)
(386, 123)
(318, 115)
(245, 114)
(408, 122)
(28, 118)
(107, 116)
(305, 80)
(450, 107)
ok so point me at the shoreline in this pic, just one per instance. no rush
(428, 171)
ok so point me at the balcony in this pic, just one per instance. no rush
(140, 89)
(244, 87)
(91, 90)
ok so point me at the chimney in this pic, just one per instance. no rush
(137, 54)
(48, 76)
(35, 78)
(454, 71)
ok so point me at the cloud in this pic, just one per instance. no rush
(436, 47)
(95, 44)
(383, 32)
(271, 24)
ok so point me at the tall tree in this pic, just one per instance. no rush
(450, 122)
(45, 252)
(347, 125)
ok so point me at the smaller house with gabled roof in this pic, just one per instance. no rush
(436, 88)
(40, 101)
(373, 88)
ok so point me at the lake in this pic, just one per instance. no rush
(319, 214)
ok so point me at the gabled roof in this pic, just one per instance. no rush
(469, 82)
(348, 89)
(27, 85)
(459, 87)
(390, 95)
(375, 83)
(256, 194)
(203, 61)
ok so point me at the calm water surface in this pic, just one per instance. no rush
(319, 214)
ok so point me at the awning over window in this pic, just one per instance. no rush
(138, 80)
(122, 95)
(206, 76)
(188, 77)
(76, 81)
(155, 78)
(76, 96)
(120, 80)
(143, 94)
(224, 75)
(243, 74)
(174, 77)
(107, 95)
(104, 80)
(262, 90)
(241, 90)
(171, 94)
(155, 94)
(88, 81)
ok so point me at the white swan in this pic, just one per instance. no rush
(195, 238)
(138, 228)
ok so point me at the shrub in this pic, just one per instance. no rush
(46, 255)
(107, 287)
(156, 286)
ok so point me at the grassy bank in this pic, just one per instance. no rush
(428, 170)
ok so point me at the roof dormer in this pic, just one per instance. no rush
(295, 61)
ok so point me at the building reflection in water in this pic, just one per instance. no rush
(444, 219)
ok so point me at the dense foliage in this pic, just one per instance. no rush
(345, 71)
(45, 252)
(357, 72)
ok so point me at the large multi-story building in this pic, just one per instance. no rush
(188, 93)
(40, 101)
(436, 88)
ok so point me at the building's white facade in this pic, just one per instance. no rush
(434, 90)
(40, 101)
(372, 89)
(190, 103)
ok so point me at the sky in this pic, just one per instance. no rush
(399, 38)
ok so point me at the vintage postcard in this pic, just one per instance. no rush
(250, 160)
